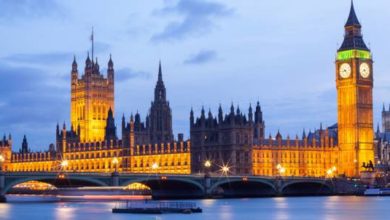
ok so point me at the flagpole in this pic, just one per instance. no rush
(92, 45)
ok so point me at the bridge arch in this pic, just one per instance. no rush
(170, 187)
(53, 180)
(307, 187)
(247, 188)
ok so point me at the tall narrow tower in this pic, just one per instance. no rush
(354, 82)
(160, 114)
(92, 95)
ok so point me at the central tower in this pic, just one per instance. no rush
(354, 82)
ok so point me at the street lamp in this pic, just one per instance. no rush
(207, 164)
(64, 164)
(225, 170)
(280, 169)
(2, 159)
(115, 162)
(155, 166)
(329, 172)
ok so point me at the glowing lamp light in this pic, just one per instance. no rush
(225, 169)
(64, 163)
(207, 163)
(2, 159)
(329, 172)
(279, 166)
(282, 170)
(155, 166)
(115, 161)
(334, 168)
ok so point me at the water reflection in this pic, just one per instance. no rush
(300, 208)
(4, 209)
(64, 211)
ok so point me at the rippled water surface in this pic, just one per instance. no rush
(329, 208)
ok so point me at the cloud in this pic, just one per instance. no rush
(203, 56)
(31, 103)
(128, 73)
(197, 18)
(43, 58)
(21, 9)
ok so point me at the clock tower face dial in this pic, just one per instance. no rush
(365, 70)
(345, 70)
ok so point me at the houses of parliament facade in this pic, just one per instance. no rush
(235, 139)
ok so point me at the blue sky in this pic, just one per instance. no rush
(278, 52)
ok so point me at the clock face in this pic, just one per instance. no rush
(345, 70)
(364, 70)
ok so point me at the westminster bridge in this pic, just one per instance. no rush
(190, 186)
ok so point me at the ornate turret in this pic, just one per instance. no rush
(110, 70)
(250, 113)
(191, 117)
(110, 127)
(353, 38)
(25, 145)
(159, 123)
(159, 91)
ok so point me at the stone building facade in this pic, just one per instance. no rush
(233, 143)
(225, 140)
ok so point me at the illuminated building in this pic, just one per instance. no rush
(5, 152)
(312, 155)
(92, 96)
(231, 144)
(354, 82)
(225, 140)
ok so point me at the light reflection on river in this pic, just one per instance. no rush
(327, 208)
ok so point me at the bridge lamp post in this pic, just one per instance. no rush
(225, 170)
(2, 159)
(115, 162)
(207, 165)
(64, 164)
(281, 169)
(155, 167)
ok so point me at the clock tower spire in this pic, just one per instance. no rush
(354, 82)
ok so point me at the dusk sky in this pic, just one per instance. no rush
(278, 52)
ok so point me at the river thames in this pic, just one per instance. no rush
(327, 208)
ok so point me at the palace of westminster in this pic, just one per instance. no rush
(233, 142)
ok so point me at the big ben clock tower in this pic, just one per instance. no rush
(354, 82)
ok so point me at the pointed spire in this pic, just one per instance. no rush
(74, 61)
(278, 135)
(377, 129)
(110, 63)
(232, 109)
(88, 60)
(352, 18)
(159, 72)
(383, 109)
(110, 114)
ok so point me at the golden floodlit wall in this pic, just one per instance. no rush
(277, 157)
(168, 159)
